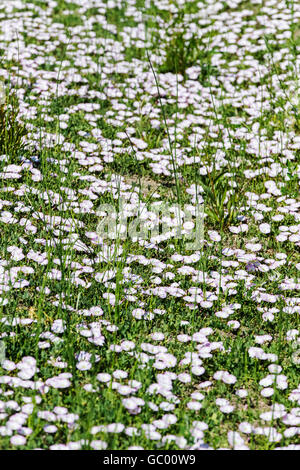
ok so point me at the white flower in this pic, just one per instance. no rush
(120, 374)
(253, 246)
(184, 378)
(275, 368)
(281, 382)
(50, 428)
(227, 409)
(245, 427)
(104, 377)
(98, 445)
(214, 236)
(84, 365)
(225, 377)
(157, 336)
(263, 339)
(183, 338)
(58, 326)
(267, 380)
(194, 405)
(197, 370)
(115, 427)
(234, 324)
(58, 382)
(18, 440)
(265, 228)
(165, 360)
(235, 439)
(267, 392)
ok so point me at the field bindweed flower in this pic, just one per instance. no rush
(83, 365)
(50, 428)
(254, 246)
(60, 381)
(18, 440)
(235, 440)
(225, 377)
(267, 392)
(194, 405)
(98, 445)
(265, 228)
(104, 377)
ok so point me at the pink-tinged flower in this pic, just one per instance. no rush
(265, 228)
(18, 440)
(194, 405)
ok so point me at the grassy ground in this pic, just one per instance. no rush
(132, 342)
